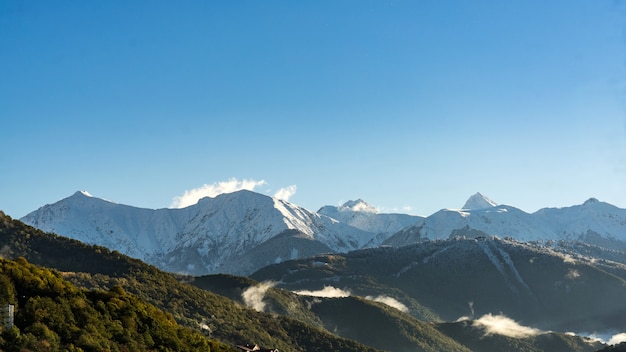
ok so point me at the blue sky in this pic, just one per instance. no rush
(412, 106)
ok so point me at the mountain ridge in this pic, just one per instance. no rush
(203, 238)
(240, 232)
(594, 222)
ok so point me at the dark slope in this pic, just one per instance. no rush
(533, 284)
(477, 338)
(380, 326)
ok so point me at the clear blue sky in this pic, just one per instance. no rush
(405, 104)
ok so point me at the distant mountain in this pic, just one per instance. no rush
(222, 234)
(239, 233)
(542, 287)
(593, 222)
(359, 214)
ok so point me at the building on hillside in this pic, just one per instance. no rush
(7, 313)
(255, 348)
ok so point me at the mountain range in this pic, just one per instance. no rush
(52, 303)
(241, 232)
(450, 279)
(233, 233)
(593, 222)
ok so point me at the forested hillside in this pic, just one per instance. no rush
(54, 315)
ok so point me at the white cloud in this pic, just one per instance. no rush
(617, 338)
(390, 301)
(285, 193)
(327, 291)
(503, 325)
(192, 196)
(253, 295)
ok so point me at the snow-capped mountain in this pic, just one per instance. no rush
(593, 222)
(359, 214)
(241, 232)
(215, 235)
(478, 201)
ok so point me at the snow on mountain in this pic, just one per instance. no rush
(358, 205)
(240, 232)
(133, 231)
(359, 214)
(593, 222)
(208, 237)
(501, 220)
(478, 201)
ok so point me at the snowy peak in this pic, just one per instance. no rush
(80, 196)
(83, 193)
(84, 197)
(479, 201)
(358, 205)
(358, 214)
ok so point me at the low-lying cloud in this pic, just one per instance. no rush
(192, 196)
(253, 295)
(390, 301)
(327, 292)
(503, 325)
(607, 337)
(333, 292)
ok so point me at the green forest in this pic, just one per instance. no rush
(54, 315)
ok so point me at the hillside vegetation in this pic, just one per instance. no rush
(54, 315)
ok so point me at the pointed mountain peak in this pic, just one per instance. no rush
(358, 205)
(81, 194)
(84, 196)
(478, 201)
